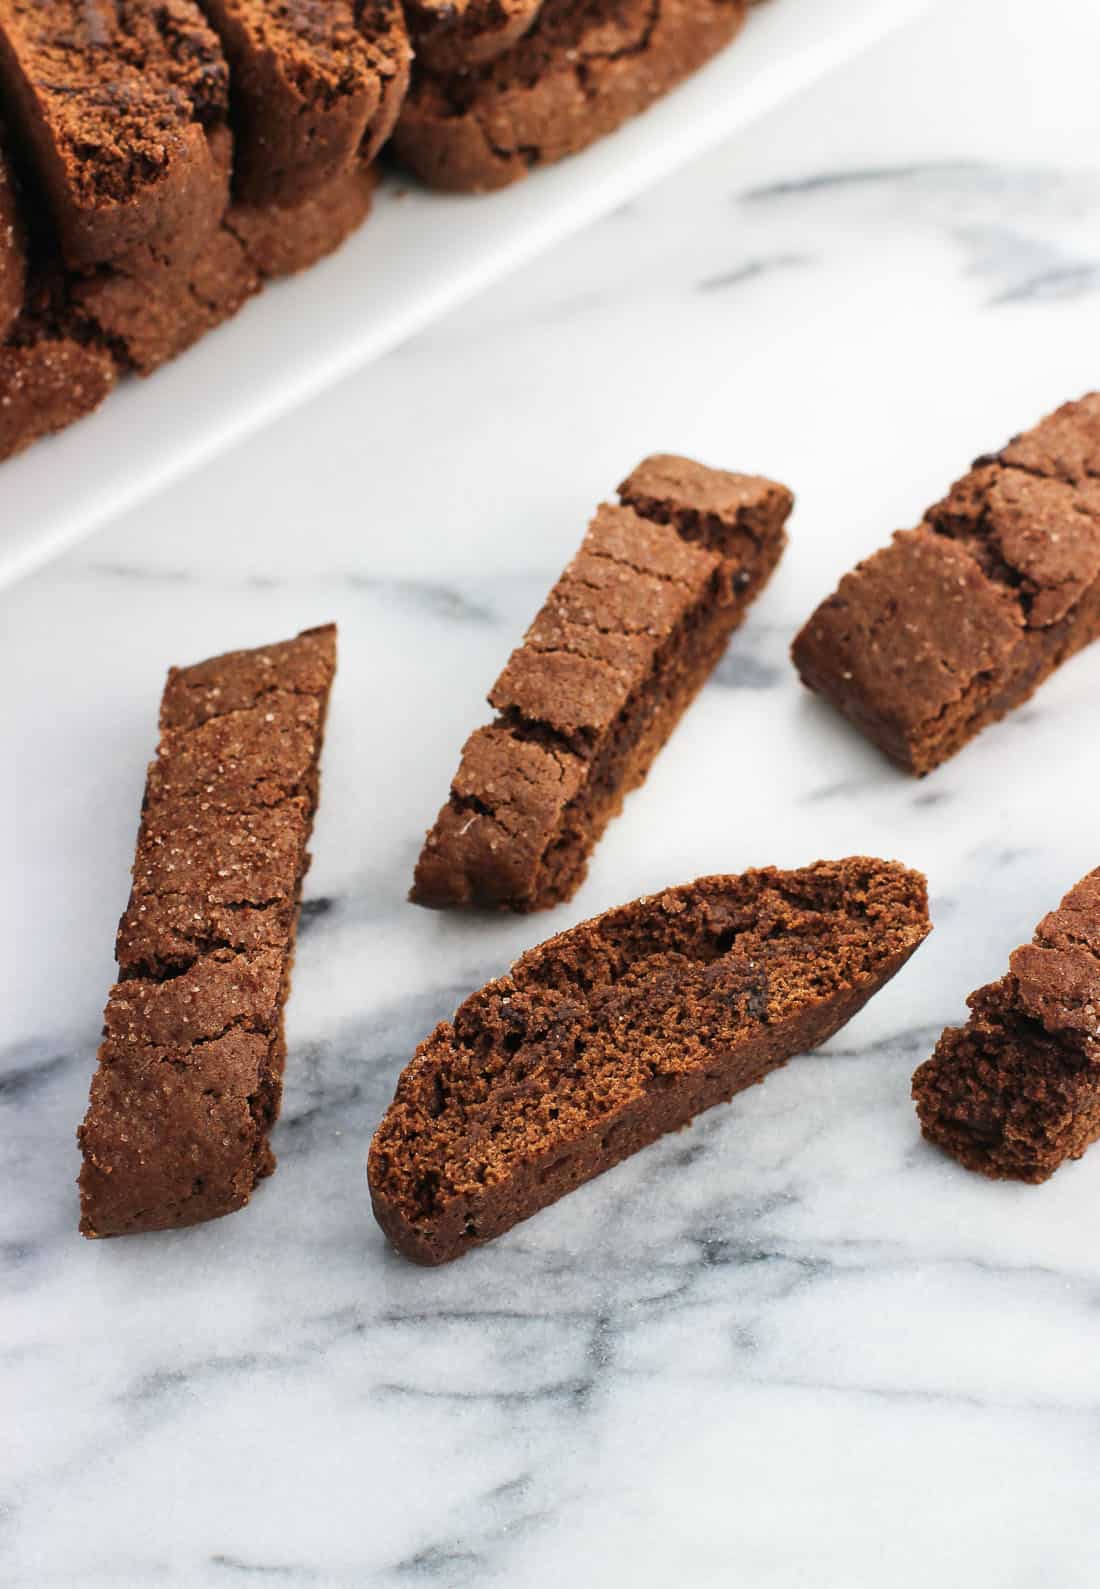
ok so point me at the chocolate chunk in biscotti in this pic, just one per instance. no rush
(112, 101)
(585, 67)
(623, 1028)
(1016, 1091)
(954, 623)
(311, 82)
(455, 35)
(13, 258)
(625, 639)
(47, 383)
(189, 1074)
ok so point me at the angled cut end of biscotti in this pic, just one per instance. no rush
(578, 74)
(623, 1028)
(1016, 1091)
(113, 105)
(956, 622)
(189, 1073)
(625, 639)
(311, 85)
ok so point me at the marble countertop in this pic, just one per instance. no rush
(793, 1347)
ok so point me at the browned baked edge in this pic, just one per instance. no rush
(189, 1073)
(1015, 1092)
(623, 1028)
(953, 624)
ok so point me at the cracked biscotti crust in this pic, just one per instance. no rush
(585, 67)
(112, 100)
(953, 624)
(623, 1028)
(189, 1074)
(624, 641)
(454, 35)
(1016, 1091)
(312, 81)
(46, 384)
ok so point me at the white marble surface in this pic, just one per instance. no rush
(792, 1348)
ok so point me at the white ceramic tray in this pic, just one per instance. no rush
(419, 255)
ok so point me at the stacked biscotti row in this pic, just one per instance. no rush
(158, 163)
(160, 160)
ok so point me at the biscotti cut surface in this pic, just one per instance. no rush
(624, 1028)
(581, 71)
(1016, 1091)
(310, 83)
(189, 1073)
(625, 639)
(954, 623)
(112, 101)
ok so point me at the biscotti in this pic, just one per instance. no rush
(623, 642)
(310, 84)
(578, 74)
(46, 384)
(112, 102)
(623, 1028)
(454, 35)
(958, 621)
(189, 1073)
(1016, 1091)
(13, 258)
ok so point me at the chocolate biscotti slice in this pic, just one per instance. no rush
(455, 35)
(623, 1028)
(624, 641)
(311, 81)
(958, 621)
(585, 67)
(1016, 1091)
(189, 1075)
(46, 384)
(112, 102)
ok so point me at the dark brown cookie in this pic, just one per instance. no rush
(626, 638)
(585, 67)
(189, 1076)
(13, 259)
(623, 1028)
(312, 80)
(112, 101)
(954, 623)
(47, 384)
(455, 35)
(1016, 1091)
